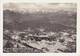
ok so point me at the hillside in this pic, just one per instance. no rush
(50, 21)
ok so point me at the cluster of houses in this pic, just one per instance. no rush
(46, 41)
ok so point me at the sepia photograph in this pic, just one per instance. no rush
(39, 28)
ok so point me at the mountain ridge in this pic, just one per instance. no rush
(30, 19)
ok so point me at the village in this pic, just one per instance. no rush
(41, 41)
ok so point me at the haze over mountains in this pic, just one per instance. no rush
(33, 7)
(57, 16)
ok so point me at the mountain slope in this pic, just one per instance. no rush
(56, 20)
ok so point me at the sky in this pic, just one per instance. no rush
(32, 7)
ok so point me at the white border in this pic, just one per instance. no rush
(40, 54)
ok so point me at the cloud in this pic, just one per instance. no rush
(32, 7)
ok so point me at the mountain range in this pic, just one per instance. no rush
(55, 21)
